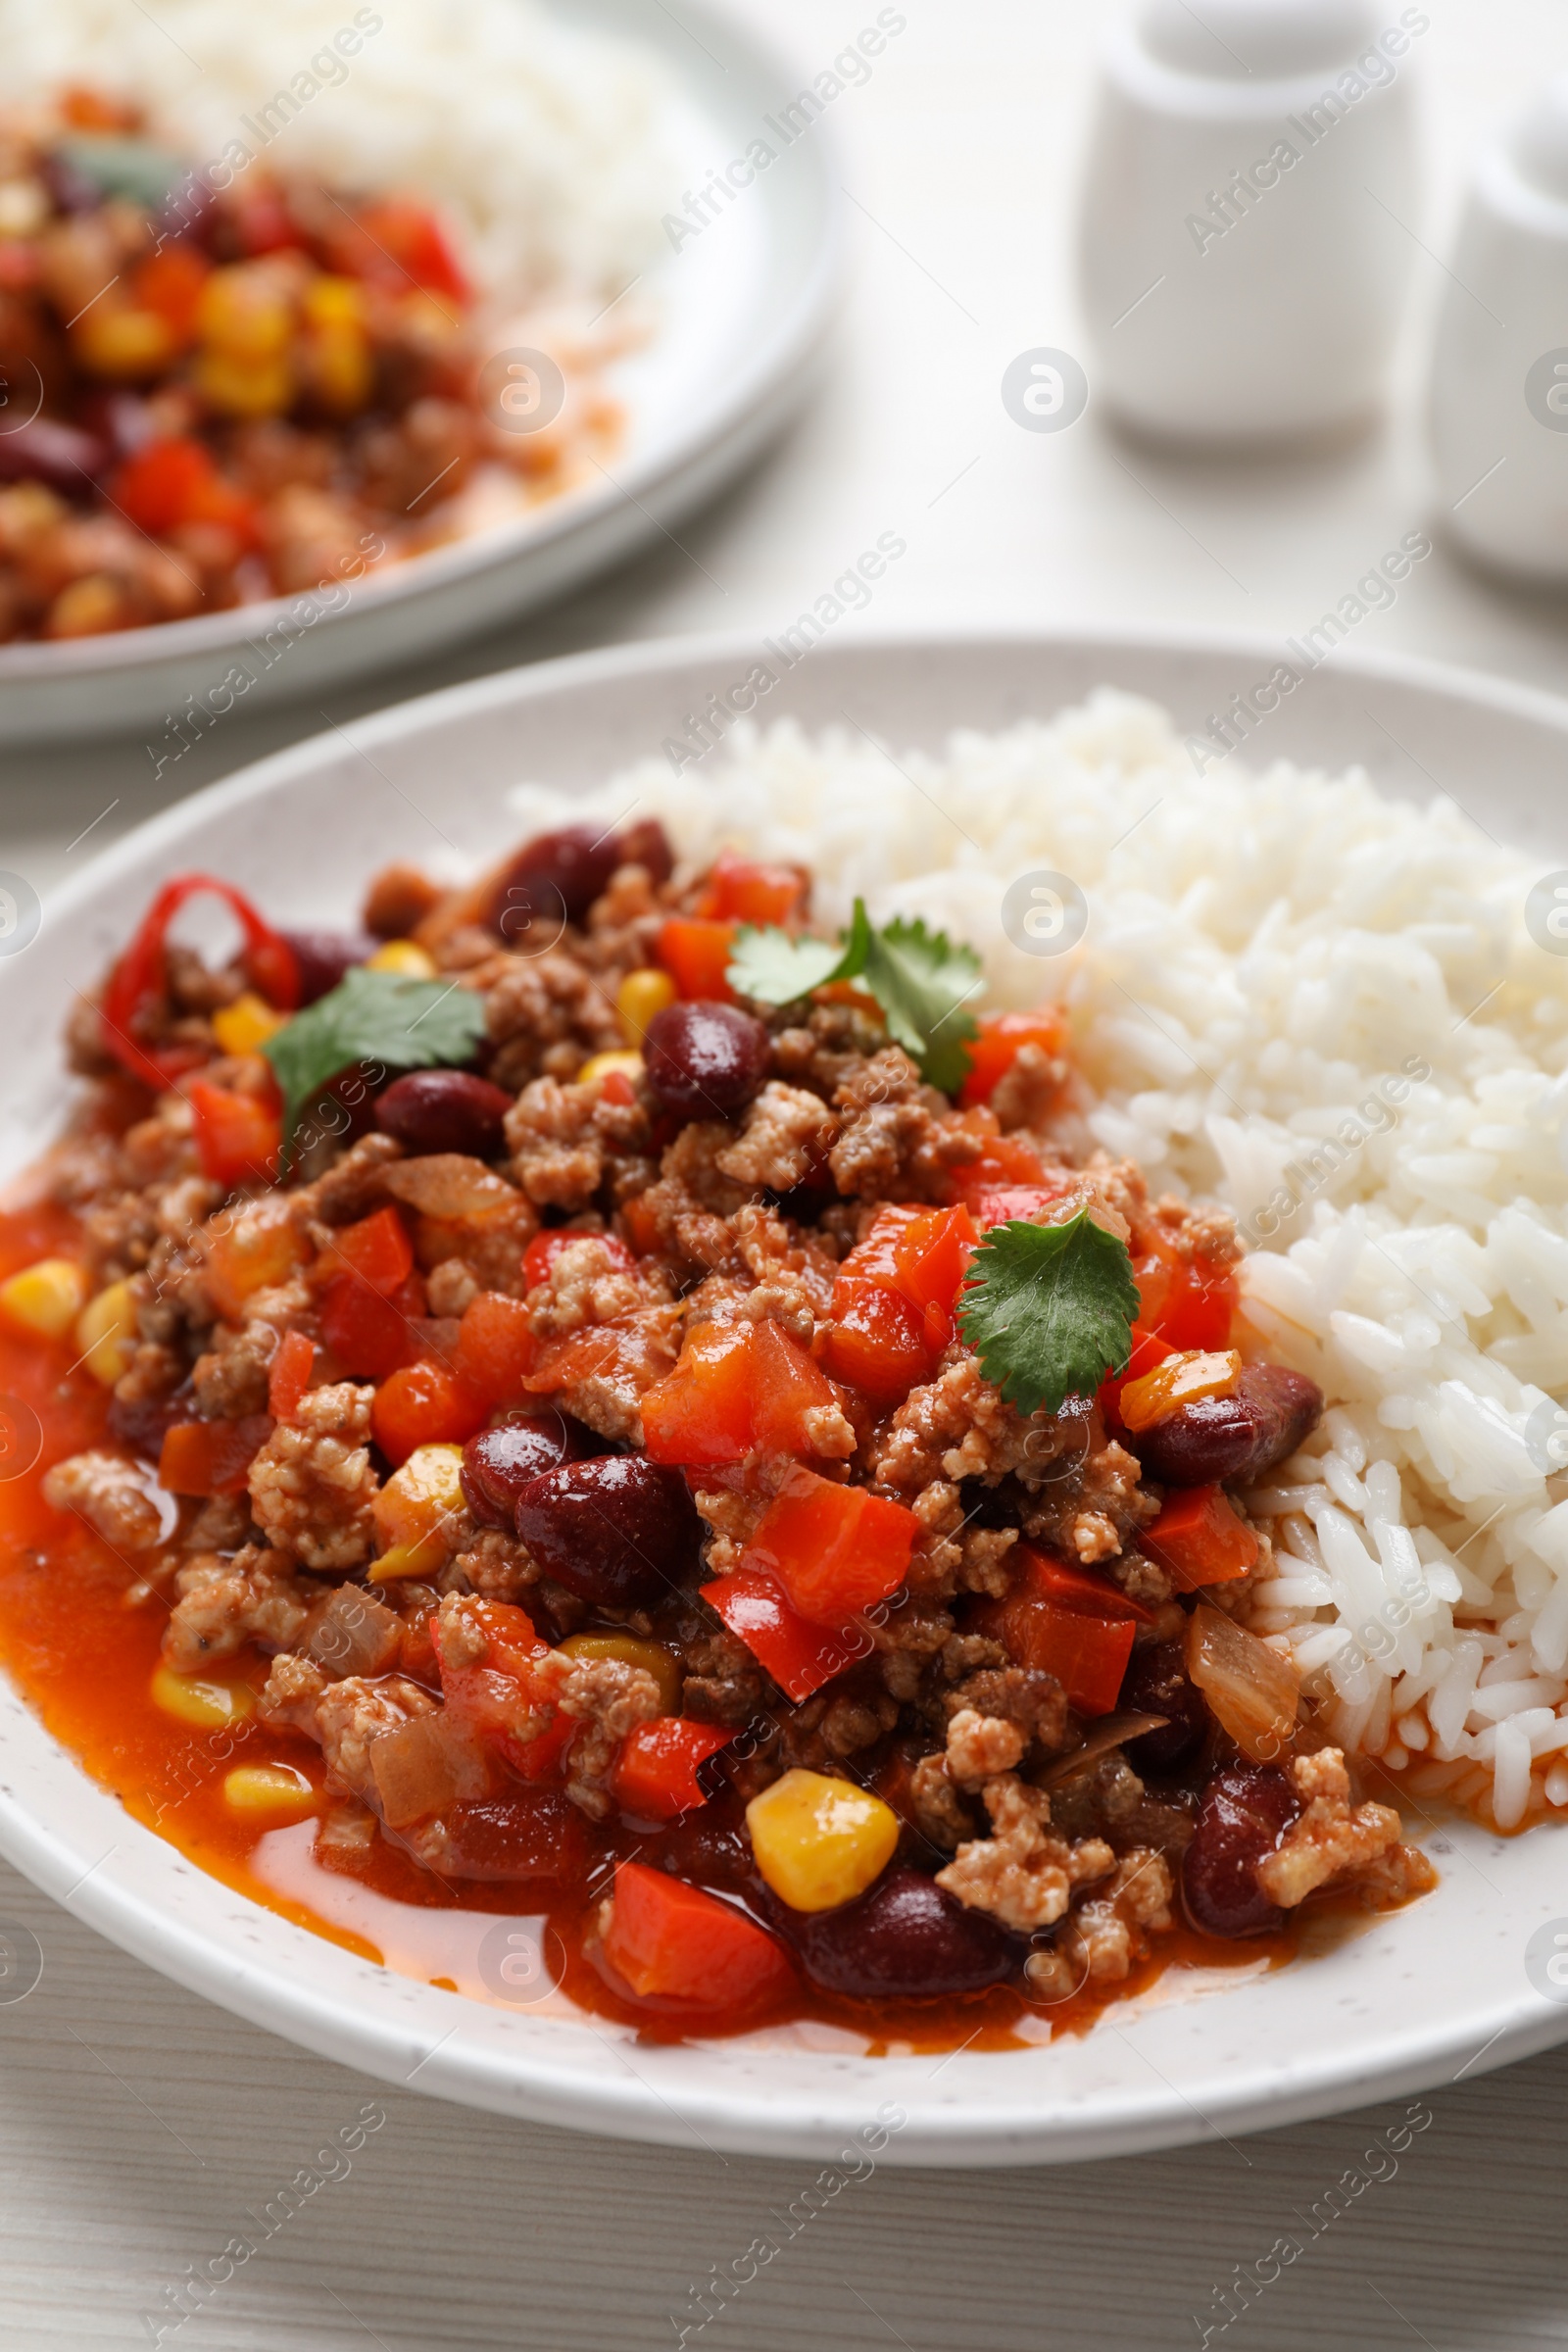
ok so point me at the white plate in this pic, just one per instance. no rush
(1416, 1998)
(742, 313)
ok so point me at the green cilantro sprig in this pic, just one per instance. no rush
(385, 1017)
(920, 980)
(1048, 1309)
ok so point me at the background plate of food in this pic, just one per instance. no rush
(1032, 1777)
(329, 337)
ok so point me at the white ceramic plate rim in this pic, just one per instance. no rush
(1151, 2078)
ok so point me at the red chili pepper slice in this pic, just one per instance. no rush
(140, 976)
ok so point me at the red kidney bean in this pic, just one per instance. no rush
(444, 1111)
(1245, 1812)
(646, 844)
(706, 1060)
(61, 455)
(1155, 1683)
(499, 1462)
(555, 877)
(905, 1939)
(144, 1422)
(618, 1531)
(323, 957)
(71, 190)
(1270, 1413)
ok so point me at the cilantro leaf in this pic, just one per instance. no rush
(921, 983)
(385, 1017)
(1048, 1309)
(773, 967)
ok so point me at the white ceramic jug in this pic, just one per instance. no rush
(1499, 370)
(1249, 213)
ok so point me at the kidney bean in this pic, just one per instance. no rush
(1155, 1683)
(555, 877)
(1270, 1413)
(499, 1462)
(69, 188)
(646, 844)
(144, 1422)
(444, 1111)
(706, 1060)
(61, 455)
(905, 1939)
(618, 1531)
(1245, 1809)
(323, 957)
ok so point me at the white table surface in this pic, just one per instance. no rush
(139, 2123)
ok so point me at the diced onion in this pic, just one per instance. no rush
(1252, 1691)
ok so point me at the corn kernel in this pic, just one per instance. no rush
(331, 301)
(601, 1065)
(411, 1509)
(1179, 1379)
(652, 1656)
(252, 1254)
(425, 1559)
(281, 1788)
(46, 1297)
(339, 369)
(89, 607)
(819, 1842)
(106, 1333)
(403, 956)
(201, 1699)
(640, 995)
(123, 342)
(240, 387)
(244, 311)
(240, 1027)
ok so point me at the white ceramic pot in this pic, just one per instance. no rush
(1249, 213)
(1499, 370)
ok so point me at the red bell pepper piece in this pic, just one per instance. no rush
(656, 1772)
(496, 1696)
(239, 1139)
(1002, 1037)
(1002, 1161)
(1029, 1203)
(673, 1946)
(833, 1549)
(170, 281)
(405, 244)
(742, 890)
(742, 1389)
(696, 955)
(496, 1347)
(1069, 1622)
(424, 1405)
(876, 1342)
(212, 1457)
(544, 1247)
(799, 1657)
(371, 1335)
(167, 483)
(1198, 1540)
(140, 979)
(378, 1249)
(290, 1375)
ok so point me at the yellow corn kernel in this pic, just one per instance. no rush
(1177, 1381)
(411, 1509)
(403, 956)
(819, 1842)
(240, 1027)
(201, 1699)
(243, 387)
(244, 311)
(331, 301)
(600, 1065)
(252, 1254)
(123, 342)
(640, 995)
(46, 1297)
(652, 1656)
(281, 1788)
(338, 368)
(106, 1333)
(89, 607)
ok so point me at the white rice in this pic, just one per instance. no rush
(1263, 956)
(545, 142)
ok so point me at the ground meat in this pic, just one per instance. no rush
(1024, 1696)
(589, 1284)
(939, 1810)
(223, 1524)
(734, 1519)
(1096, 1514)
(352, 1187)
(979, 1746)
(833, 1039)
(494, 1565)
(600, 1376)
(545, 1015)
(397, 902)
(957, 1427)
(1022, 1874)
(230, 1379)
(611, 1698)
(1025, 1095)
(792, 1275)
(560, 1137)
(1199, 1230)
(1328, 1842)
(452, 1286)
(722, 1682)
(311, 1484)
(884, 1151)
(345, 1717)
(784, 1134)
(109, 1493)
(224, 1603)
(1109, 1928)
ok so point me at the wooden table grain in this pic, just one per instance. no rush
(143, 2130)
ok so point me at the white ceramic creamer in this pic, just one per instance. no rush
(1249, 213)
(1499, 370)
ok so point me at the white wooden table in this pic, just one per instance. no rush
(140, 2124)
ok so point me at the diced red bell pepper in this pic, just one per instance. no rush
(1198, 1540)
(496, 1696)
(1069, 1622)
(167, 483)
(1002, 1161)
(170, 281)
(1027, 1204)
(742, 1389)
(496, 1347)
(1183, 1304)
(673, 1946)
(916, 1258)
(800, 1657)
(741, 890)
(424, 1405)
(407, 244)
(290, 1375)
(212, 1457)
(378, 1249)
(876, 1342)
(544, 1247)
(696, 955)
(140, 979)
(264, 223)
(656, 1772)
(833, 1549)
(371, 1335)
(239, 1139)
(1002, 1037)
